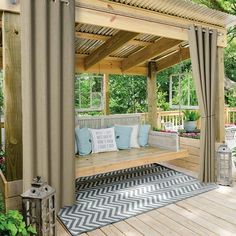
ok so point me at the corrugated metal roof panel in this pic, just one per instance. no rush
(86, 46)
(147, 37)
(93, 29)
(184, 9)
(126, 50)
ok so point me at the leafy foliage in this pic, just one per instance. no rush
(128, 94)
(231, 97)
(230, 60)
(2, 207)
(191, 115)
(229, 7)
(12, 224)
(2, 161)
(187, 95)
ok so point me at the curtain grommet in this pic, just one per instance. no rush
(67, 2)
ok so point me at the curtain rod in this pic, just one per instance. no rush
(149, 19)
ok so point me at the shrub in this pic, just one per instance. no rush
(12, 224)
(2, 207)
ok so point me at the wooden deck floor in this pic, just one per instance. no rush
(211, 213)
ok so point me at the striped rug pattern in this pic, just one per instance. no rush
(111, 197)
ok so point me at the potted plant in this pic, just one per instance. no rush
(190, 120)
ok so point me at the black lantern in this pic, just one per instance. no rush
(39, 207)
(224, 165)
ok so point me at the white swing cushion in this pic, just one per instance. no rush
(103, 140)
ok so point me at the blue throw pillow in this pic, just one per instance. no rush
(123, 135)
(83, 139)
(143, 135)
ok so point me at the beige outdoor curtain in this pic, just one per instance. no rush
(48, 94)
(203, 51)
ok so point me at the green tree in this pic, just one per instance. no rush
(230, 97)
(128, 94)
(227, 6)
(187, 95)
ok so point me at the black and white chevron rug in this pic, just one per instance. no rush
(111, 197)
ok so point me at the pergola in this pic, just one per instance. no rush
(114, 37)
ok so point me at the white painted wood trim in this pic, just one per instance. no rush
(169, 141)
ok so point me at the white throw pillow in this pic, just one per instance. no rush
(103, 140)
(134, 135)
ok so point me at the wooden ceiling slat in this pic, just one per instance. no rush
(82, 35)
(149, 52)
(173, 59)
(111, 45)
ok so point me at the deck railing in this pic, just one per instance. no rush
(174, 117)
(230, 115)
(177, 118)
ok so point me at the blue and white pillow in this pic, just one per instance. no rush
(83, 140)
(123, 136)
(143, 135)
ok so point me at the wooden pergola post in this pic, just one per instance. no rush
(106, 92)
(151, 94)
(220, 101)
(12, 94)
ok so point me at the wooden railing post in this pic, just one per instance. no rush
(220, 98)
(226, 115)
(159, 120)
(106, 92)
(152, 94)
(12, 94)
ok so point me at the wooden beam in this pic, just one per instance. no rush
(12, 94)
(149, 52)
(220, 98)
(111, 45)
(98, 12)
(152, 94)
(108, 67)
(82, 35)
(142, 21)
(106, 87)
(5, 5)
(79, 55)
(173, 59)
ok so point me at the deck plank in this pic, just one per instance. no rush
(126, 229)
(185, 218)
(156, 225)
(213, 208)
(111, 230)
(171, 223)
(96, 232)
(144, 229)
(209, 221)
